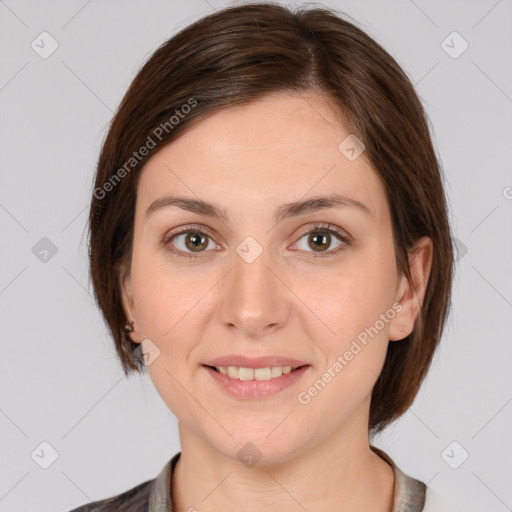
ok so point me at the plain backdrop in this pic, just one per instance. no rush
(63, 393)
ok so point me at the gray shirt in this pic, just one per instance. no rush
(155, 495)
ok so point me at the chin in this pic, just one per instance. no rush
(259, 449)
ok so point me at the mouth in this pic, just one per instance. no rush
(255, 383)
(259, 374)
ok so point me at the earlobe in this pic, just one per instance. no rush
(411, 294)
(125, 284)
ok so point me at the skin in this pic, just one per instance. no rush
(249, 160)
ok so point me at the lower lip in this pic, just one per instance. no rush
(256, 388)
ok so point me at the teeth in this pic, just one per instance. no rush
(268, 373)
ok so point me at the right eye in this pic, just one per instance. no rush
(187, 239)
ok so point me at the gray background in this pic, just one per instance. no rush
(61, 382)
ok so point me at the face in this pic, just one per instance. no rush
(254, 277)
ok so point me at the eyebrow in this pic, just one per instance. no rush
(285, 211)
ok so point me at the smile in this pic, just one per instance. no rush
(241, 373)
(253, 383)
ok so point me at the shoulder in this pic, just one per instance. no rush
(412, 495)
(154, 494)
(135, 499)
(149, 495)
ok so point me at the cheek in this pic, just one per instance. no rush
(355, 307)
(358, 313)
(166, 304)
(351, 297)
(171, 308)
(163, 297)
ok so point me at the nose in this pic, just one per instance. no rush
(253, 301)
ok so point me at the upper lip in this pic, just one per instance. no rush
(253, 362)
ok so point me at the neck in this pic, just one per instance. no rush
(342, 473)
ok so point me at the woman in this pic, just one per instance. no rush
(269, 238)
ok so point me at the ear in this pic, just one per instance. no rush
(411, 295)
(125, 285)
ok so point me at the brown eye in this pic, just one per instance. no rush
(188, 243)
(319, 240)
(195, 241)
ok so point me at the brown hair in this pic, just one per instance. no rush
(238, 55)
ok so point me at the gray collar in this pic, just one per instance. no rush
(409, 493)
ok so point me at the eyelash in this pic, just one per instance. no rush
(317, 228)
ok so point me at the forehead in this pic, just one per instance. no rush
(280, 148)
(281, 122)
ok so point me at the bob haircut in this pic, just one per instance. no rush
(237, 55)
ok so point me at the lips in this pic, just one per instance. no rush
(257, 389)
(254, 362)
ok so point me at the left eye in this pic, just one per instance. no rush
(320, 238)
